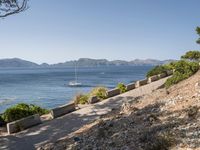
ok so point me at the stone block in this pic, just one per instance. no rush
(62, 110)
(23, 123)
(141, 83)
(113, 92)
(153, 78)
(130, 86)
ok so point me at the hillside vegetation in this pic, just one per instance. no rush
(182, 69)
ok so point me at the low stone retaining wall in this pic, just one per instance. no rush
(93, 100)
(113, 92)
(153, 78)
(62, 110)
(23, 124)
(30, 121)
(162, 75)
(169, 73)
(130, 86)
(141, 83)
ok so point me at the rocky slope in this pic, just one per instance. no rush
(164, 119)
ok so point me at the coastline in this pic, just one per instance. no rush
(62, 126)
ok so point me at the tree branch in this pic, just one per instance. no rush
(10, 7)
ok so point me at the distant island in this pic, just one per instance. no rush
(82, 62)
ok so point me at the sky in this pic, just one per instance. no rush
(54, 31)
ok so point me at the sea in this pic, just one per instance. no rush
(48, 87)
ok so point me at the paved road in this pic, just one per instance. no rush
(55, 129)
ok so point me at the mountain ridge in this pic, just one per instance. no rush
(81, 62)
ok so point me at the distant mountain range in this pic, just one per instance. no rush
(82, 62)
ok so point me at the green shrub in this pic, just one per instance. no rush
(158, 70)
(100, 92)
(2, 122)
(22, 110)
(183, 70)
(38, 110)
(121, 87)
(192, 55)
(81, 99)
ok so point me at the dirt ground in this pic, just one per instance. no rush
(164, 119)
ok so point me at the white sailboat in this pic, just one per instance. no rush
(75, 83)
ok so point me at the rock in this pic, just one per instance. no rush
(101, 132)
(167, 92)
(77, 139)
(192, 111)
(197, 87)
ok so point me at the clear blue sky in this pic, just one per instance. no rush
(55, 31)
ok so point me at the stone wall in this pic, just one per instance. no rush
(62, 110)
(23, 124)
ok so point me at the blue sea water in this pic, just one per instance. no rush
(49, 87)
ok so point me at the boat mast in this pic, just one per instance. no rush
(75, 71)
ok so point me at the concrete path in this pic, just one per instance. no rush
(55, 129)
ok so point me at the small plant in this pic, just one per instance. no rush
(81, 99)
(121, 87)
(100, 92)
(22, 110)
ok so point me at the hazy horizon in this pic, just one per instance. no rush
(53, 32)
(86, 58)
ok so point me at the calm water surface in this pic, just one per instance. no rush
(48, 87)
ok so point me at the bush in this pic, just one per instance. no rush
(183, 70)
(38, 110)
(22, 110)
(121, 87)
(81, 99)
(192, 55)
(158, 70)
(100, 92)
(2, 122)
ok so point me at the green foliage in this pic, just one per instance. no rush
(158, 70)
(183, 70)
(38, 110)
(100, 92)
(22, 110)
(198, 32)
(2, 122)
(121, 87)
(192, 55)
(81, 99)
